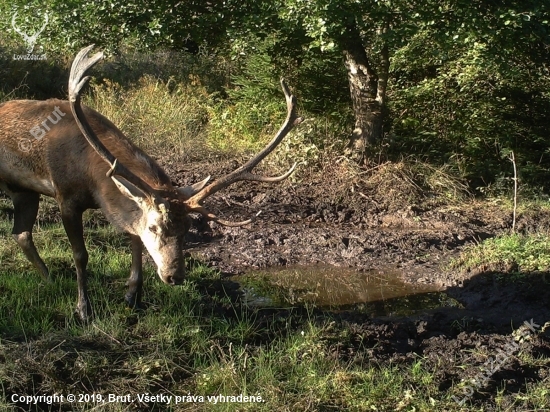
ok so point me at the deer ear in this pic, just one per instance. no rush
(134, 193)
(130, 190)
(188, 191)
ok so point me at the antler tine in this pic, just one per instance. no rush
(81, 64)
(269, 179)
(17, 30)
(244, 172)
(45, 23)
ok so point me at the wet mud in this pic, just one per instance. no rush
(358, 231)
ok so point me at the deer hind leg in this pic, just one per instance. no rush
(72, 222)
(25, 211)
(135, 281)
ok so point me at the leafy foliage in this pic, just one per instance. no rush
(468, 81)
(476, 90)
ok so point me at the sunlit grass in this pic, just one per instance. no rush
(525, 252)
(158, 116)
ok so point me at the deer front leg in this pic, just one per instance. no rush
(135, 281)
(25, 206)
(72, 221)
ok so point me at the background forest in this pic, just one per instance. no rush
(456, 84)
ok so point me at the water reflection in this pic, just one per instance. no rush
(378, 292)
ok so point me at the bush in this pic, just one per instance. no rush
(160, 117)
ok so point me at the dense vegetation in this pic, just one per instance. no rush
(455, 83)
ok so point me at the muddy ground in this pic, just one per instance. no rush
(378, 220)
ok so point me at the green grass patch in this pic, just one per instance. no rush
(526, 252)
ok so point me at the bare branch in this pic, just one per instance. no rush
(512, 158)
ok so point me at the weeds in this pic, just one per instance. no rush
(160, 117)
(523, 253)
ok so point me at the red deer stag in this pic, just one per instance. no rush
(84, 162)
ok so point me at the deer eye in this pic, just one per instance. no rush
(154, 228)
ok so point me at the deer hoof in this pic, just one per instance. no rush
(84, 312)
(135, 303)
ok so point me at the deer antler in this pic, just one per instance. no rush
(43, 26)
(245, 171)
(17, 30)
(81, 65)
(77, 79)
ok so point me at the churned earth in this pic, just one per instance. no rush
(380, 221)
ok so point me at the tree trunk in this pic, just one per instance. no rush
(368, 93)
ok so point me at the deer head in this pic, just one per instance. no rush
(162, 213)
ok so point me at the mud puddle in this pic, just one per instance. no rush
(379, 293)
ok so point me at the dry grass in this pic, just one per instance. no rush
(160, 117)
(414, 182)
(390, 185)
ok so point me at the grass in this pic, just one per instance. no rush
(176, 124)
(527, 250)
(523, 252)
(196, 340)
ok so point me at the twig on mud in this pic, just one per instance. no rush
(374, 168)
(55, 347)
(106, 334)
(369, 199)
(226, 201)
